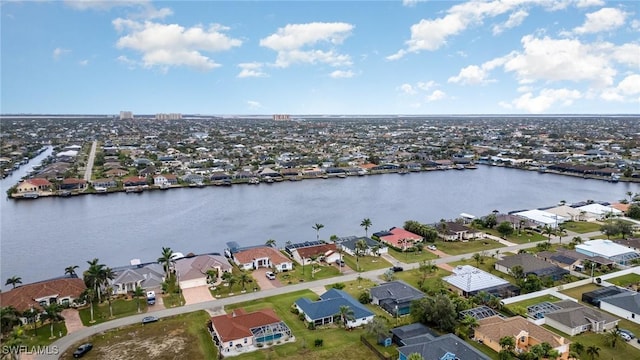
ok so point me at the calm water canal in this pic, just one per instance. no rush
(39, 238)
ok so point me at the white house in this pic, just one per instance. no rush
(262, 257)
(599, 211)
(542, 218)
(608, 250)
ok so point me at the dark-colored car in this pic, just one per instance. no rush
(397, 268)
(149, 319)
(340, 262)
(82, 349)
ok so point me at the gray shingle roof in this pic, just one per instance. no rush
(438, 347)
(628, 301)
(575, 315)
(330, 303)
(398, 291)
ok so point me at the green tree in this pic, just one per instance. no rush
(244, 278)
(366, 224)
(634, 211)
(466, 326)
(612, 337)
(52, 312)
(14, 280)
(378, 328)
(12, 343)
(9, 317)
(31, 316)
(137, 294)
(477, 257)
(517, 272)
(576, 348)
(505, 228)
(490, 221)
(93, 277)
(507, 343)
(593, 351)
(361, 247)
(71, 271)
(166, 258)
(346, 314)
(317, 228)
(271, 243)
(415, 356)
(548, 230)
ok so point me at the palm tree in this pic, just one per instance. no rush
(508, 343)
(31, 316)
(593, 351)
(366, 224)
(166, 259)
(415, 356)
(71, 271)
(231, 281)
(93, 276)
(271, 243)
(212, 275)
(313, 259)
(109, 290)
(361, 247)
(14, 280)
(13, 343)
(244, 278)
(346, 314)
(548, 231)
(576, 348)
(9, 317)
(52, 313)
(137, 294)
(561, 232)
(317, 228)
(613, 336)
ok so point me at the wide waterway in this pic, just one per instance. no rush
(39, 238)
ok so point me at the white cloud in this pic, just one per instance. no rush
(555, 60)
(627, 90)
(59, 52)
(545, 100)
(411, 3)
(470, 75)
(131, 64)
(296, 43)
(515, 19)
(84, 62)
(605, 19)
(625, 54)
(342, 74)
(436, 95)
(253, 69)
(635, 24)
(254, 104)
(167, 45)
(420, 86)
(426, 85)
(589, 3)
(103, 5)
(407, 89)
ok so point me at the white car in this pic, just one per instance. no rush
(270, 275)
(431, 247)
(625, 336)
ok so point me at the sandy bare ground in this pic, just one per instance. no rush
(133, 346)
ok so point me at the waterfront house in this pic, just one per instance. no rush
(445, 347)
(104, 183)
(348, 245)
(598, 211)
(609, 250)
(467, 280)
(625, 305)
(398, 238)
(192, 271)
(165, 179)
(193, 178)
(567, 212)
(134, 181)
(116, 172)
(530, 265)
(34, 185)
(240, 332)
(525, 333)
(148, 277)
(574, 318)
(73, 184)
(262, 257)
(542, 218)
(395, 297)
(61, 291)
(321, 252)
(453, 231)
(327, 309)
(571, 259)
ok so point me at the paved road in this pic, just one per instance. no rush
(64, 343)
(90, 160)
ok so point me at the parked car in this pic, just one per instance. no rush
(82, 349)
(625, 336)
(397, 268)
(431, 247)
(270, 275)
(149, 319)
(340, 262)
(628, 332)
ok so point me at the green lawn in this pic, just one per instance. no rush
(366, 263)
(178, 337)
(172, 300)
(581, 227)
(459, 247)
(121, 308)
(577, 292)
(626, 280)
(337, 342)
(320, 271)
(432, 280)
(42, 334)
(522, 238)
(526, 303)
(412, 257)
(621, 351)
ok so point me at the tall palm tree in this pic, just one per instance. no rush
(137, 294)
(270, 242)
(166, 258)
(71, 271)
(612, 337)
(14, 280)
(361, 247)
(593, 351)
(366, 224)
(109, 291)
(93, 277)
(548, 230)
(9, 317)
(244, 279)
(334, 239)
(346, 314)
(52, 312)
(313, 259)
(317, 228)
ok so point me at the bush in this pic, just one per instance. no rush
(294, 310)
(318, 342)
(364, 297)
(301, 316)
(311, 326)
(338, 286)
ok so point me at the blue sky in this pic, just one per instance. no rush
(321, 57)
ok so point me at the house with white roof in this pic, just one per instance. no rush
(609, 250)
(599, 211)
(566, 211)
(542, 218)
(467, 280)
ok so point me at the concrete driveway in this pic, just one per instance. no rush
(72, 320)
(263, 282)
(196, 294)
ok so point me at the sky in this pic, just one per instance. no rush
(320, 57)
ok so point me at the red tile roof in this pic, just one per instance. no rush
(318, 250)
(73, 181)
(238, 324)
(398, 235)
(39, 182)
(23, 297)
(248, 255)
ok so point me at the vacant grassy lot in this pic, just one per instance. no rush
(366, 263)
(412, 257)
(432, 280)
(581, 227)
(337, 343)
(626, 280)
(521, 238)
(320, 271)
(577, 292)
(459, 247)
(121, 308)
(180, 337)
(526, 303)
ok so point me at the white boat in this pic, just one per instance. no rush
(101, 189)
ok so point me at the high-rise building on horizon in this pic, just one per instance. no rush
(281, 117)
(126, 115)
(169, 116)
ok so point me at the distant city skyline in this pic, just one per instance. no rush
(406, 57)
